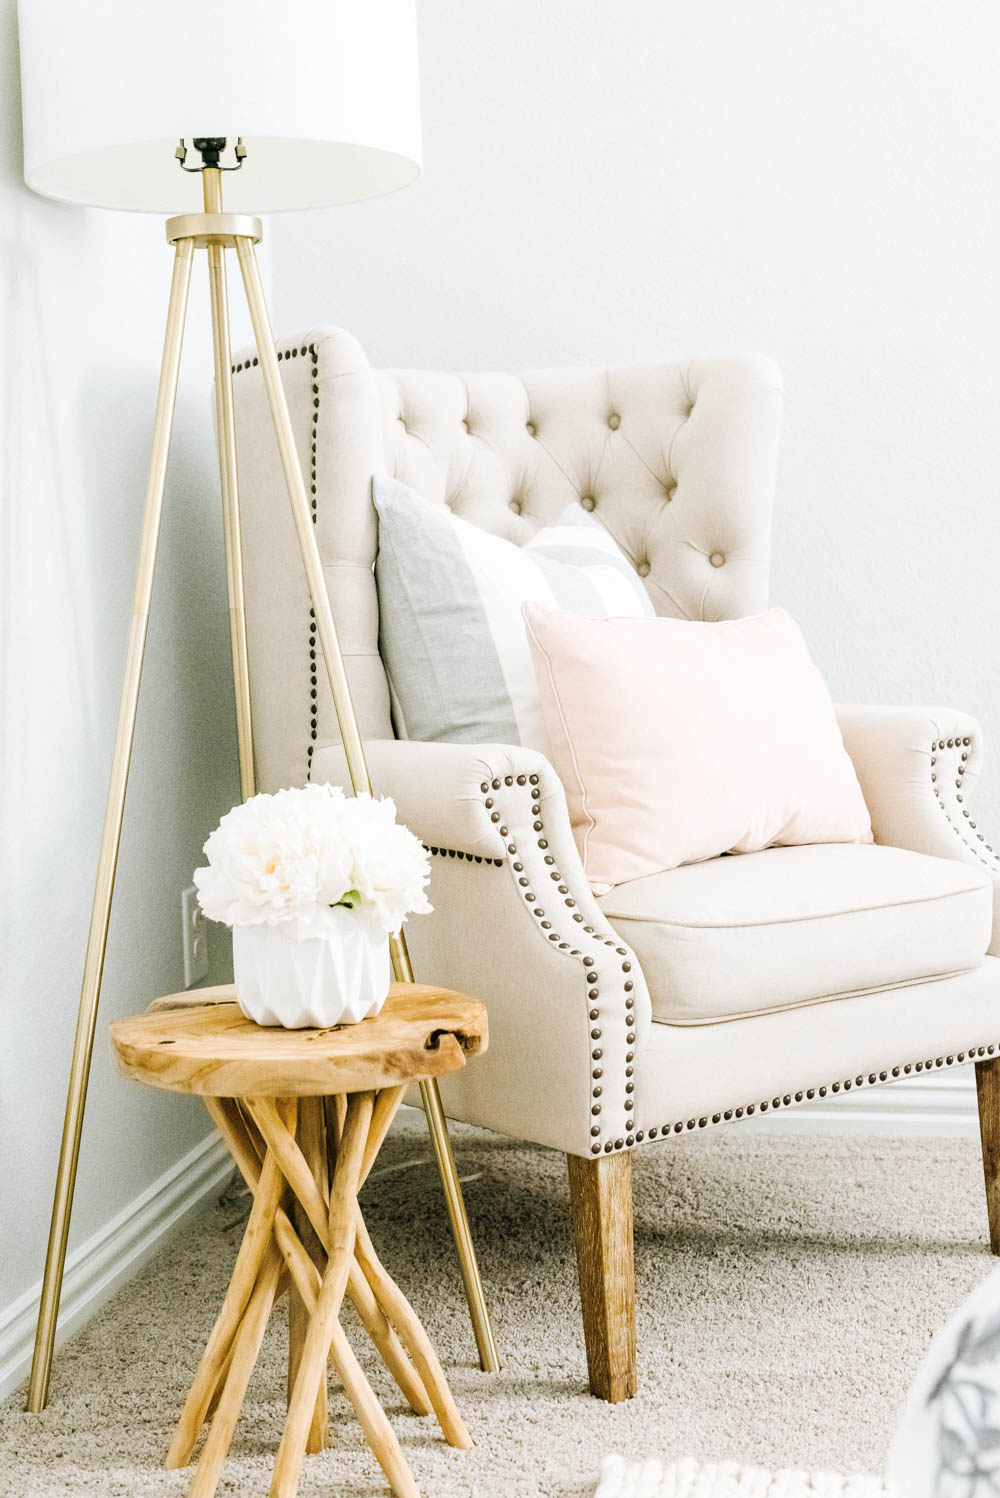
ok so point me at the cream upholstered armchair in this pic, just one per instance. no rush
(678, 1002)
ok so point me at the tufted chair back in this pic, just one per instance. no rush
(676, 459)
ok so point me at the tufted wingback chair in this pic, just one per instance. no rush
(679, 1002)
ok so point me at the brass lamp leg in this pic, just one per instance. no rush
(437, 1125)
(83, 1044)
(350, 733)
(225, 421)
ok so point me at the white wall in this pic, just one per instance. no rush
(81, 326)
(609, 182)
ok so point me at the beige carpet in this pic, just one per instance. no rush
(788, 1288)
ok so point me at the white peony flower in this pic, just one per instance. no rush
(289, 858)
(391, 866)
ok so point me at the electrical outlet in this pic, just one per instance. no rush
(194, 928)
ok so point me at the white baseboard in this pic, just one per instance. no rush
(113, 1254)
(943, 1105)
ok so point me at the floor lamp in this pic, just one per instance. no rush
(326, 94)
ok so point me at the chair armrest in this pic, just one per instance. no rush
(918, 767)
(440, 790)
(515, 923)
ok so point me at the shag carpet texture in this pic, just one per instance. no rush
(788, 1288)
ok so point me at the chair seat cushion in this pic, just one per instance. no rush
(749, 933)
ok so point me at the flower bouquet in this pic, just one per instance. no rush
(312, 882)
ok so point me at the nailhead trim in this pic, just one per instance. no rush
(295, 353)
(313, 683)
(962, 745)
(768, 1105)
(288, 353)
(592, 977)
(469, 857)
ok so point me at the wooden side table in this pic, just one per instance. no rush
(304, 1113)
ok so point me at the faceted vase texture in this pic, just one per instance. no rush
(324, 980)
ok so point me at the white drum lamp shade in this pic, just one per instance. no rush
(324, 93)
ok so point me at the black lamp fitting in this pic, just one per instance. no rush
(210, 149)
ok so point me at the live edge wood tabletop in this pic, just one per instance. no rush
(304, 1114)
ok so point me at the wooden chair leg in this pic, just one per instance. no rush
(988, 1094)
(600, 1193)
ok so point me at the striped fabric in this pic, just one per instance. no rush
(451, 635)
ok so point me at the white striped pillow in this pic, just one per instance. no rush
(451, 634)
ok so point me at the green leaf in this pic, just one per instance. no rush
(351, 899)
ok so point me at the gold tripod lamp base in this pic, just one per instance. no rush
(215, 232)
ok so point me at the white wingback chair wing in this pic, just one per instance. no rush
(675, 1003)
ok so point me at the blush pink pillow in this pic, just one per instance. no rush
(677, 741)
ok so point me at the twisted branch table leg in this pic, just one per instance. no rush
(416, 1341)
(312, 1133)
(343, 1219)
(218, 1349)
(235, 1125)
(315, 1245)
(246, 1346)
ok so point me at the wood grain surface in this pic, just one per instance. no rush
(601, 1210)
(212, 1049)
(988, 1095)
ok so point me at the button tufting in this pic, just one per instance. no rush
(588, 501)
(716, 559)
(614, 421)
(465, 423)
(642, 568)
(670, 490)
(530, 428)
(515, 505)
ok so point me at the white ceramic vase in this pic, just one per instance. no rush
(335, 979)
